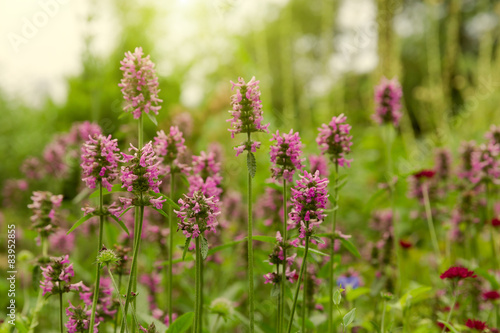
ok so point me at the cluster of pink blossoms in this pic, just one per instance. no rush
(79, 319)
(419, 182)
(388, 102)
(334, 139)
(139, 84)
(246, 113)
(309, 198)
(57, 277)
(169, 148)
(197, 214)
(205, 175)
(286, 155)
(277, 257)
(141, 175)
(44, 211)
(485, 162)
(100, 161)
(106, 305)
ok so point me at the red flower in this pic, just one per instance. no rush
(476, 324)
(495, 222)
(457, 273)
(424, 174)
(405, 244)
(491, 295)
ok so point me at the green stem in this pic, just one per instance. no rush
(382, 324)
(278, 312)
(45, 246)
(201, 292)
(304, 301)
(197, 326)
(430, 222)
(250, 253)
(451, 308)
(40, 301)
(61, 312)
(331, 284)
(302, 269)
(117, 288)
(98, 268)
(170, 248)
(494, 250)
(214, 328)
(133, 269)
(119, 299)
(283, 274)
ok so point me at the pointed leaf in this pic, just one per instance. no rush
(337, 296)
(350, 247)
(267, 239)
(318, 240)
(186, 247)
(124, 114)
(182, 324)
(203, 247)
(301, 248)
(251, 164)
(120, 223)
(161, 212)
(79, 222)
(126, 210)
(152, 117)
(349, 317)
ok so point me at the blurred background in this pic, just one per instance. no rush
(60, 59)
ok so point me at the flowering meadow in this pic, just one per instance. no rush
(263, 212)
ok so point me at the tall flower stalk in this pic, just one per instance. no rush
(246, 119)
(169, 148)
(139, 87)
(100, 168)
(198, 214)
(309, 198)
(387, 97)
(334, 140)
(139, 177)
(286, 159)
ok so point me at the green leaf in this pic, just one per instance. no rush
(116, 188)
(353, 294)
(416, 295)
(350, 247)
(267, 239)
(124, 114)
(318, 240)
(448, 325)
(186, 247)
(349, 317)
(274, 186)
(251, 164)
(301, 248)
(337, 297)
(126, 210)
(161, 212)
(80, 196)
(152, 117)
(170, 202)
(224, 246)
(182, 324)
(120, 222)
(275, 292)
(80, 222)
(204, 247)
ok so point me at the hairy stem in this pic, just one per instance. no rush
(98, 268)
(250, 253)
(133, 269)
(382, 324)
(117, 288)
(302, 269)
(451, 308)
(170, 249)
(61, 312)
(283, 276)
(331, 284)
